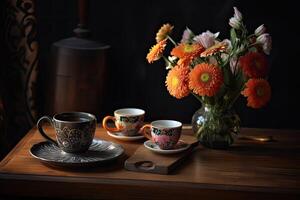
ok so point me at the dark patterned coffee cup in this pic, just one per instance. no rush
(74, 130)
(128, 121)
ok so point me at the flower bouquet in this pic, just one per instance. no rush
(216, 72)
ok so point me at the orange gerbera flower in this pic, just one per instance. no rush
(163, 32)
(205, 79)
(254, 65)
(219, 47)
(177, 82)
(184, 62)
(187, 51)
(156, 51)
(258, 92)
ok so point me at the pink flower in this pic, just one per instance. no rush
(260, 30)
(266, 41)
(187, 36)
(206, 39)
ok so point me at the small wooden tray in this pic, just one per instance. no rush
(144, 160)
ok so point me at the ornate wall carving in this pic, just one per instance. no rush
(19, 72)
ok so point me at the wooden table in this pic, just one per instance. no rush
(248, 170)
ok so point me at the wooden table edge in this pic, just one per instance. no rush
(148, 183)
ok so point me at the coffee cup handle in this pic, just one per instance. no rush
(41, 130)
(143, 131)
(110, 129)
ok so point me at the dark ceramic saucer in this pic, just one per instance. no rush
(99, 152)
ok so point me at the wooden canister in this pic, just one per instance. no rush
(78, 71)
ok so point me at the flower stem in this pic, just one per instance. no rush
(233, 101)
(197, 97)
(237, 95)
(172, 40)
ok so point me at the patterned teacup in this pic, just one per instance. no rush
(74, 130)
(164, 133)
(128, 121)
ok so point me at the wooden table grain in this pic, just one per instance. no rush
(247, 170)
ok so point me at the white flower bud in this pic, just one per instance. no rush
(234, 65)
(268, 46)
(187, 35)
(212, 60)
(237, 14)
(260, 30)
(266, 41)
(262, 38)
(228, 42)
(234, 23)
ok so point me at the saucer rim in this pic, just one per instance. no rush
(74, 164)
(167, 151)
(123, 137)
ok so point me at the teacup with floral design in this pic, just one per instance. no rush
(164, 133)
(128, 121)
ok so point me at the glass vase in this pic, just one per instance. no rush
(215, 127)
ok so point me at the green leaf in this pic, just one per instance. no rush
(233, 36)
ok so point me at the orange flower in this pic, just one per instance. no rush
(184, 62)
(205, 79)
(219, 47)
(156, 51)
(163, 32)
(254, 65)
(187, 51)
(177, 82)
(258, 92)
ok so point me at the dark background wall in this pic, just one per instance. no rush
(130, 27)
